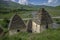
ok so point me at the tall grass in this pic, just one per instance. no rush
(46, 35)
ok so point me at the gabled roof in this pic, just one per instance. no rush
(16, 22)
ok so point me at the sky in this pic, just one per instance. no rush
(38, 2)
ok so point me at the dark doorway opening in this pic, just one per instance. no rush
(18, 30)
(30, 31)
(46, 26)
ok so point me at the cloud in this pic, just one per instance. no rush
(23, 2)
(13, 0)
(49, 1)
(52, 1)
(26, 2)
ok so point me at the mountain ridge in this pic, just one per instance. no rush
(14, 5)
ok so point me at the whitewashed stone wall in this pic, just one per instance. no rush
(35, 28)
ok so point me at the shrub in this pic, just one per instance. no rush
(5, 23)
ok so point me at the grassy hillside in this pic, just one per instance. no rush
(46, 35)
(53, 11)
(24, 11)
(8, 6)
(57, 7)
(8, 9)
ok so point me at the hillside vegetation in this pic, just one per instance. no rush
(6, 13)
(46, 35)
(9, 8)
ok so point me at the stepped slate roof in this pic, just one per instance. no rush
(43, 17)
(16, 23)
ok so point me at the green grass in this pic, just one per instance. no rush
(22, 14)
(53, 12)
(56, 20)
(46, 35)
(27, 14)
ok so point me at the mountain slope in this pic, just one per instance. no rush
(57, 7)
(9, 6)
(4, 3)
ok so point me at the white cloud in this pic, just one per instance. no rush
(52, 1)
(49, 1)
(13, 0)
(23, 2)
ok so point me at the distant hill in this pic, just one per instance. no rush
(57, 7)
(14, 5)
(9, 6)
(4, 4)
